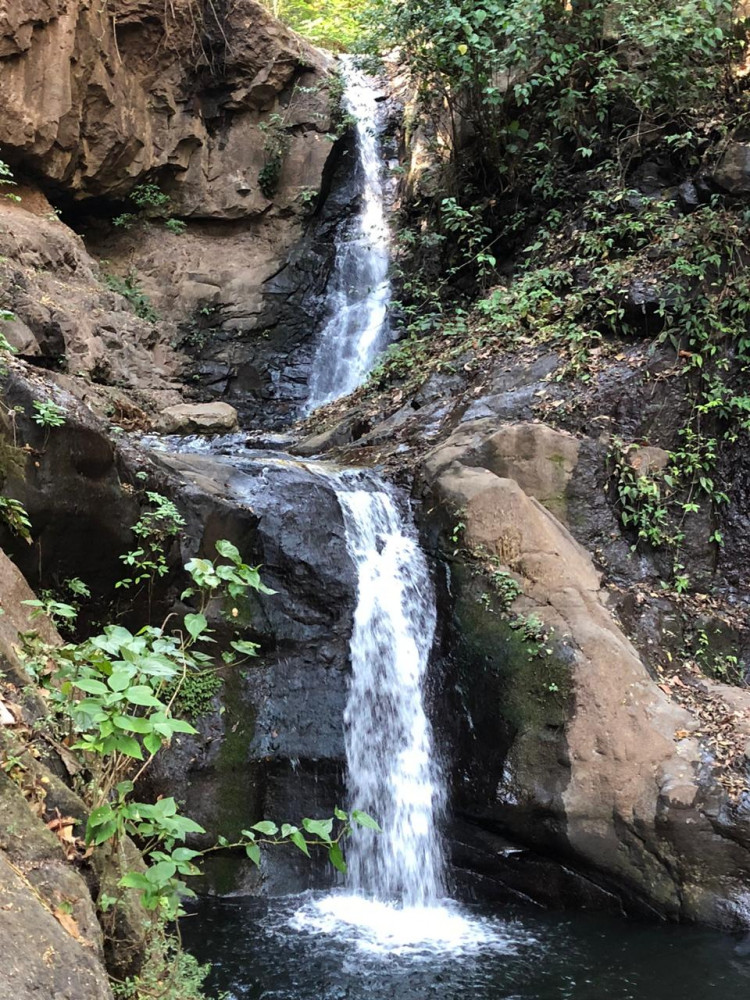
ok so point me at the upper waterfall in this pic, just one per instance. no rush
(356, 328)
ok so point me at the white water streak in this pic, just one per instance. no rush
(359, 290)
(392, 769)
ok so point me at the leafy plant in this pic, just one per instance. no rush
(506, 587)
(168, 973)
(332, 24)
(275, 146)
(529, 75)
(5, 346)
(129, 287)
(158, 524)
(110, 690)
(125, 220)
(47, 414)
(176, 226)
(6, 177)
(16, 517)
(196, 693)
(149, 197)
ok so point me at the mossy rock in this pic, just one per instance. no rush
(532, 677)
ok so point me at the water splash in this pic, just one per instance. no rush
(359, 290)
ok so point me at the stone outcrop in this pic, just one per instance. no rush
(68, 319)
(574, 748)
(98, 99)
(95, 97)
(276, 748)
(733, 171)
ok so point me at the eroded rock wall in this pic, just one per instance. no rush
(98, 95)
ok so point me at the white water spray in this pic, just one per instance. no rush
(392, 768)
(395, 900)
(356, 330)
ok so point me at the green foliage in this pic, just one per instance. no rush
(341, 119)
(275, 146)
(129, 287)
(115, 693)
(506, 587)
(152, 203)
(332, 24)
(6, 177)
(149, 197)
(47, 605)
(715, 661)
(157, 525)
(126, 220)
(5, 347)
(642, 498)
(48, 414)
(6, 174)
(530, 74)
(196, 693)
(168, 973)
(15, 515)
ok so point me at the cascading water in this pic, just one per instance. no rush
(392, 768)
(395, 899)
(356, 330)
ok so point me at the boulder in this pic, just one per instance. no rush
(733, 172)
(274, 748)
(198, 418)
(41, 958)
(67, 317)
(568, 744)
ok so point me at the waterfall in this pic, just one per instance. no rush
(395, 900)
(392, 769)
(356, 329)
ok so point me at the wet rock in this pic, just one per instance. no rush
(688, 197)
(642, 303)
(198, 418)
(276, 748)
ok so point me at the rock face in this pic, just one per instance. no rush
(572, 747)
(52, 942)
(66, 316)
(276, 749)
(191, 100)
(733, 172)
(97, 97)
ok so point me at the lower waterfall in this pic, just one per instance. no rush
(395, 894)
(392, 770)
(390, 928)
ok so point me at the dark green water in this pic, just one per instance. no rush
(286, 949)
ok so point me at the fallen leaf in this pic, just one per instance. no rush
(68, 922)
